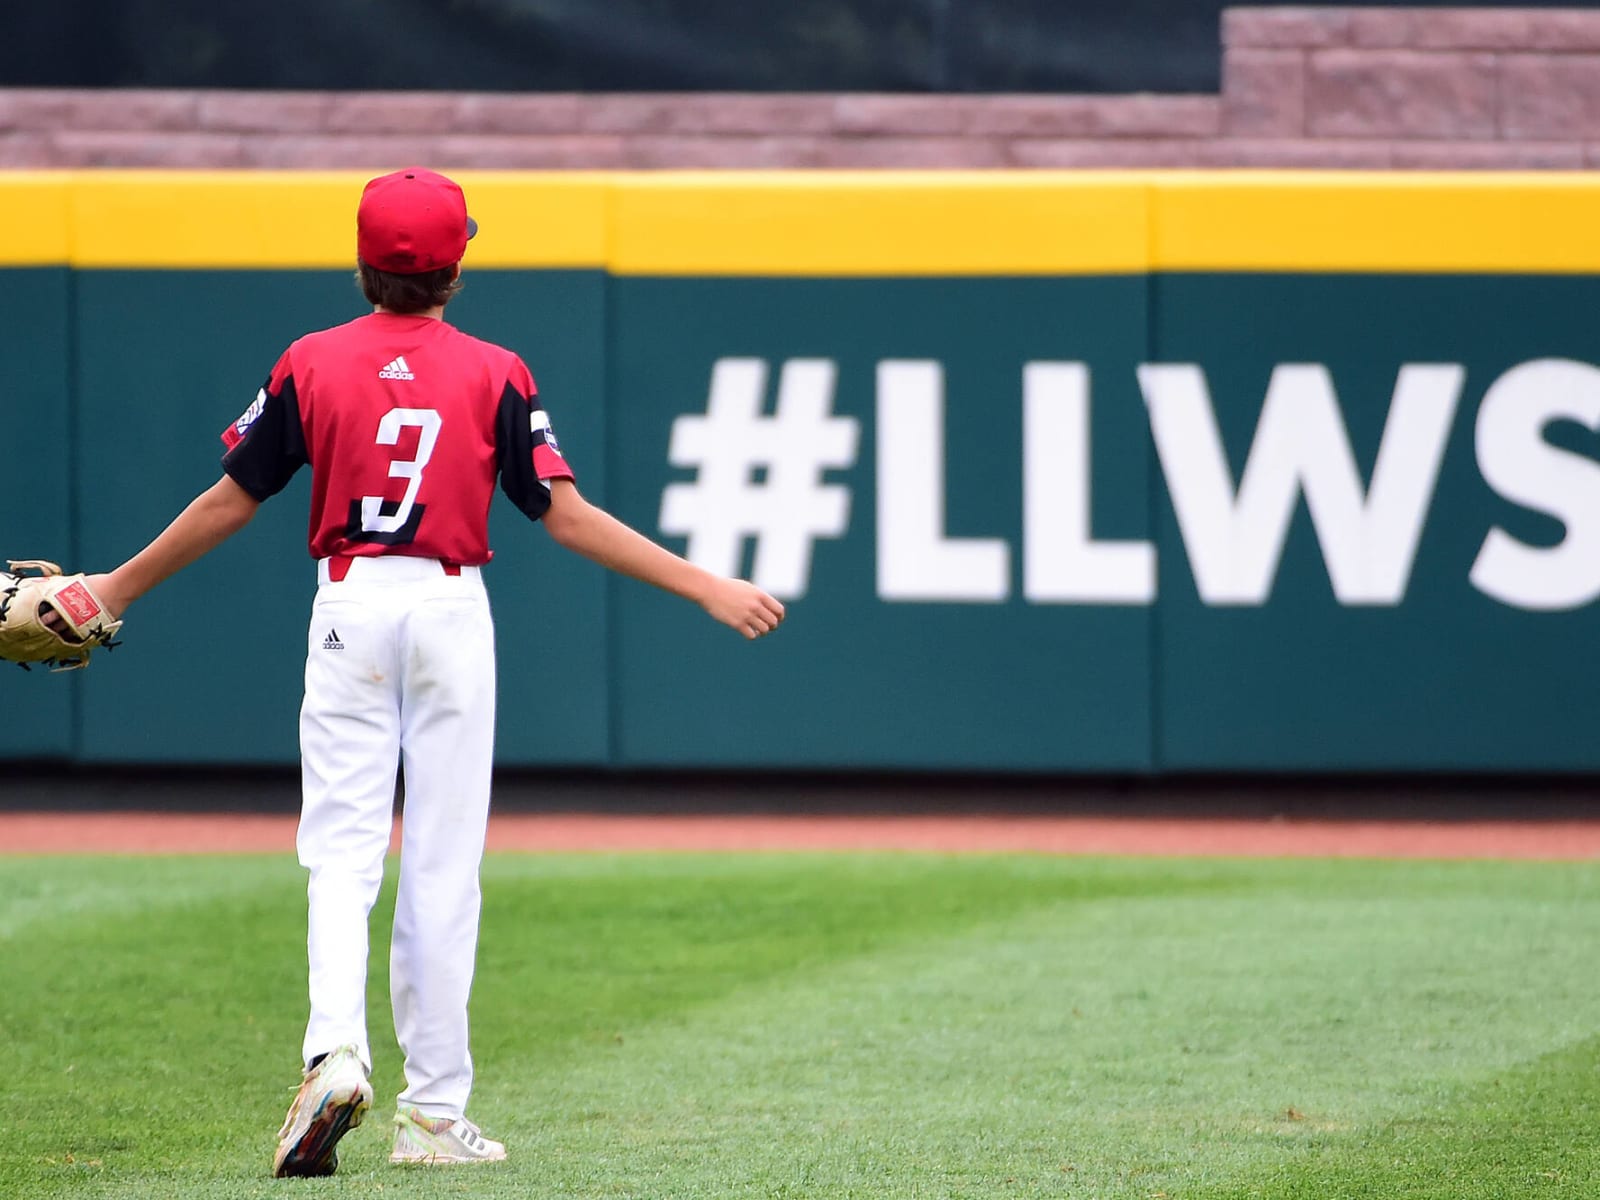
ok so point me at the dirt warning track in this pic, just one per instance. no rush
(242, 833)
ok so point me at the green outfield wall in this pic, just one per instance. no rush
(1133, 473)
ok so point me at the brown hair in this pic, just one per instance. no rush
(407, 293)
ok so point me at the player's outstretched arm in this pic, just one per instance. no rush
(214, 516)
(597, 535)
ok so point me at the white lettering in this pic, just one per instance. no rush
(1521, 466)
(1062, 563)
(761, 477)
(916, 561)
(1301, 447)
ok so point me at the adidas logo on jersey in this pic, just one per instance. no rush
(396, 370)
(332, 642)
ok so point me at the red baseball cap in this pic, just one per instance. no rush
(412, 221)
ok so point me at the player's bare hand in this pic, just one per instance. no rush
(743, 607)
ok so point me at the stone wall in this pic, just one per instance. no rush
(1302, 87)
(1462, 87)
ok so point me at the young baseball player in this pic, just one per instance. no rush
(406, 424)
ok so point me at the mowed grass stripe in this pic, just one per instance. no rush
(1523, 1132)
(1108, 1042)
(883, 1025)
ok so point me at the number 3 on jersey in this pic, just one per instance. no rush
(386, 521)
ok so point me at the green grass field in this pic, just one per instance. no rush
(847, 1025)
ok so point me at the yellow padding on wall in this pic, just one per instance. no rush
(213, 219)
(814, 223)
(239, 219)
(881, 223)
(35, 225)
(1535, 223)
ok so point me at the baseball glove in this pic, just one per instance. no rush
(50, 618)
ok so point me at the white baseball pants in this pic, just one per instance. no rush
(399, 670)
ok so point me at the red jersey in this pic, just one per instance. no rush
(406, 422)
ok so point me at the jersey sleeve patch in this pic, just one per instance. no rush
(266, 445)
(528, 453)
(234, 434)
(548, 461)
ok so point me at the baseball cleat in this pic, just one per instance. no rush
(330, 1103)
(438, 1141)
